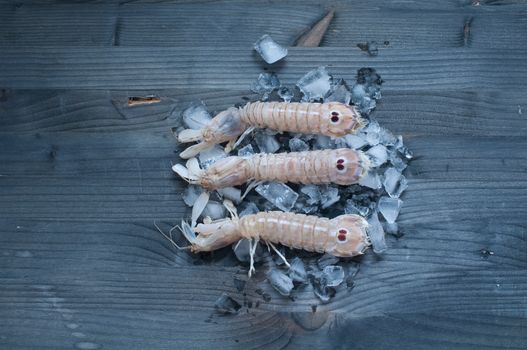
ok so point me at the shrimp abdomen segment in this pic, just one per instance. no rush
(295, 117)
(293, 230)
(343, 236)
(331, 119)
(341, 166)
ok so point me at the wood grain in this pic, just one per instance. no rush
(233, 68)
(172, 24)
(115, 266)
(127, 175)
(83, 176)
(459, 112)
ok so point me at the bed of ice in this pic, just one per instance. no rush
(376, 197)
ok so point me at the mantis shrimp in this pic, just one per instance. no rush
(342, 166)
(332, 119)
(343, 236)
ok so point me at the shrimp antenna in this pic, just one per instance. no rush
(279, 254)
(227, 203)
(169, 238)
(242, 136)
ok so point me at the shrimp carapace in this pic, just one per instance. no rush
(333, 119)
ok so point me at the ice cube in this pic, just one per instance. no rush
(212, 155)
(241, 250)
(358, 92)
(232, 193)
(362, 101)
(297, 271)
(354, 141)
(333, 275)
(190, 194)
(406, 152)
(378, 155)
(315, 84)
(328, 196)
(214, 210)
(246, 151)
(340, 142)
(322, 291)
(266, 143)
(324, 142)
(265, 84)
(394, 182)
(297, 145)
(281, 195)
(389, 208)
(403, 185)
(270, 50)
(374, 91)
(227, 305)
(353, 208)
(392, 229)
(280, 281)
(399, 143)
(371, 180)
(386, 137)
(313, 192)
(339, 93)
(248, 208)
(373, 133)
(309, 209)
(395, 160)
(326, 260)
(373, 48)
(376, 234)
(368, 76)
(196, 116)
(285, 94)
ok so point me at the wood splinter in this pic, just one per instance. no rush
(143, 100)
(313, 37)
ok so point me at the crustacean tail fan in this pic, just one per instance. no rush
(191, 173)
(194, 150)
(189, 135)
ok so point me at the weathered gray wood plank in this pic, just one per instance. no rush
(93, 269)
(208, 24)
(90, 177)
(485, 113)
(421, 331)
(127, 175)
(234, 69)
(120, 329)
(461, 190)
(87, 281)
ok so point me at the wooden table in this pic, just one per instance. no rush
(83, 176)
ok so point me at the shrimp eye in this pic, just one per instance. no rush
(342, 235)
(340, 164)
(334, 117)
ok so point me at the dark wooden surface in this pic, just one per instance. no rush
(83, 176)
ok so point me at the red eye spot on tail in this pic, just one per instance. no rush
(342, 235)
(334, 119)
(340, 166)
(340, 161)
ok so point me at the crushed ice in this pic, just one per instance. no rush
(269, 49)
(376, 197)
